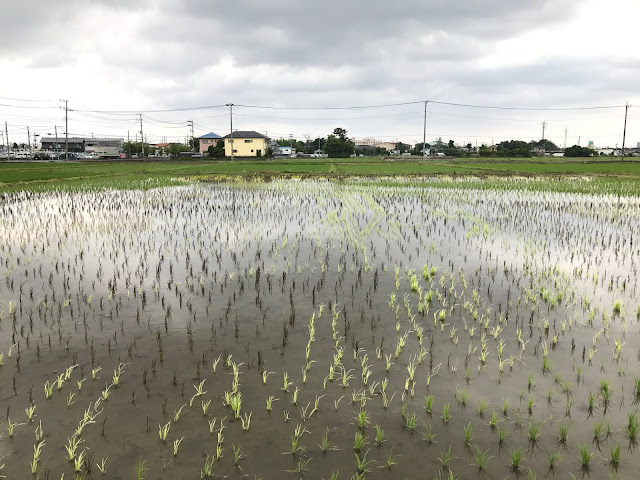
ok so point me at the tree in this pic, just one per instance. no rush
(338, 145)
(513, 148)
(418, 147)
(485, 151)
(340, 132)
(217, 151)
(195, 141)
(402, 147)
(546, 144)
(578, 151)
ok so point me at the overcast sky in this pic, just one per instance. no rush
(126, 56)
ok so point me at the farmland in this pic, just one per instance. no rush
(169, 321)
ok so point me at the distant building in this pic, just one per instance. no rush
(209, 140)
(99, 146)
(285, 150)
(246, 144)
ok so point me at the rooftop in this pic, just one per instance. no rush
(210, 135)
(245, 134)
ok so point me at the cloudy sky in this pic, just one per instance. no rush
(180, 60)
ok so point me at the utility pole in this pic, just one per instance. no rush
(624, 132)
(424, 130)
(565, 138)
(193, 141)
(230, 105)
(291, 141)
(6, 131)
(141, 136)
(56, 130)
(544, 125)
(29, 140)
(128, 145)
(66, 128)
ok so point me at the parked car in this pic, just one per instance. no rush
(41, 156)
(197, 155)
(135, 155)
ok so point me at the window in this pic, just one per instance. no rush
(235, 151)
(248, 141)
(230, 140)
(252, 151)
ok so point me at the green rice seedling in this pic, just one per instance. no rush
(79, 383)
(246, 421)
(428, 403)
(176, 413)
(428, 436)
(412, 422)
(48, 390)
(482, 458)
(72, 445)
(481, 407)
(104, 394)
(633, 427)
(617, 307)
(445, 457)
(359, 441)
(362, 419)
(205, 407)
(493, 422)
(446, 415)
(530, 404)
(30, 411)
(468, 433)
(461, 397)
(37, 451)
(163, 432)
(59, 381)
(70, 399)
(584, 456)
(141, 470)
(215, 364)
(563, 434)
(598, 430)
(207, 468)
(294, 399)
(530, 383)
(94, 371)
(505, 407)
(237, 455)
(636, 388)
(614, 460)
(78, 461)
(39, 433)
(176, 446)
(379, 436)
(11, 427)
(554, 459)
(199, 392)
(102, 466)
(270, 401)
(362, 464)
(533, 432)
(389, 462)
(516, 459)
(546, 365)
(502, 434)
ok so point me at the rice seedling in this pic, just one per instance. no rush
(584, 456)
(379, 436)
(199, 392)
(207, 468)
(362, 419)
(428, 403)
(481, 407)
(237, 455)
(411, 422)
(359, 441)
(633, 427)
(445, 458)
(246, 421)
(563, 434)
(533, 432)
(163, 432)
(468, 433)
(176, 445)
(554, 459)
(482, 458)
(614, 458)
(176, 413)
(446, 415)
(102, 466)
(516, 459)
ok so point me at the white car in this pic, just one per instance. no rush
(91, 156)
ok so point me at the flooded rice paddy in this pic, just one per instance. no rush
(319, 329)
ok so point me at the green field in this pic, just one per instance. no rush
(601, 176)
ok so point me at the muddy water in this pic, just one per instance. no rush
(167, 281)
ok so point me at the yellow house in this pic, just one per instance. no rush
(245, 144)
